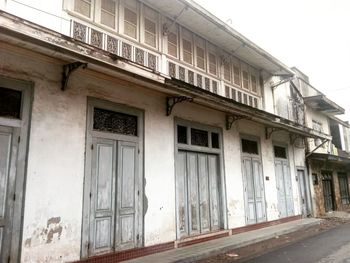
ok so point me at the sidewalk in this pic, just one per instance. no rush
(222, 245)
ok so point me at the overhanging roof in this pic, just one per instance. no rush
(329, 158)
(322, 104)
(197, 19)
(24, 34)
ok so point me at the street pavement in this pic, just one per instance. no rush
(332, 246)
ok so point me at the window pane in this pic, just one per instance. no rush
(10, 103)
(249, 146)
(200, 58)
(115, 122)
(245, 79)
(172, 44)
(150, 32)
(280, 152)
(215, 140)
(212, 63)
(236, 73)
(254, 84)
(187, 51)
(83, 7)
(130, 22)
(199, 137)
(181, 134)
(227, 71)
(108, 13)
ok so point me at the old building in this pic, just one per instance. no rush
(130, 127)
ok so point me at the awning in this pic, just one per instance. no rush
(322, 104)
(330, 158)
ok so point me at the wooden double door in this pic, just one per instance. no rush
(197, 193)
(284, 188)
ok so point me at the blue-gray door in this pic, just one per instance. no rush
(8, 153)
(254, 192)
(284, 188)
(114, 196)
(197, 193)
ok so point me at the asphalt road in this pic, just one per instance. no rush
(332, 246)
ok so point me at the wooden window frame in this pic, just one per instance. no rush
(154, 20)
(176, 33)
(228, 62)
(211, 51)
(182, 50)
(136, 10)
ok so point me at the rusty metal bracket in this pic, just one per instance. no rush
(230, 119)
(269, 131)
(172, 101)
(68, 69)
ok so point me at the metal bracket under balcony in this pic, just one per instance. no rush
(172, 101)
(68, 69)
(270, 130)
(230, 119)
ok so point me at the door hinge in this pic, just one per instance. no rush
(19, 139)
(137, 236)
(88, 245)
(14, 197)
(8, 259)
(92, 146)
(90, 195)
(138, 192)
(138, 151)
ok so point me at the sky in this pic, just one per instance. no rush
(313, 35)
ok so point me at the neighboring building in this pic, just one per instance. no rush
(132, 127)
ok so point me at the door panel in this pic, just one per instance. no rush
(284, 188)
(193, 192)
(197, 193)
(214, 192)
(203, 192)
(328, 197)
(102, 196)
(5, 154)
(302, 190)
(127, 196)
(181, 194)
(254, 190)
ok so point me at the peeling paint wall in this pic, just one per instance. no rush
(55, 176)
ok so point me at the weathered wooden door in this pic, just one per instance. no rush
(327, 191)
(304, 203)
(113, 180)
(8, 152)
(284, 188)
(197, 193)
(114, 196)
(253, 190)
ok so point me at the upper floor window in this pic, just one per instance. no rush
(172, 44)
(212, 64)
(200, 53)
(130, 22)
(83, 7)
(245, 79)
(187, 51)
(108, 11)
(227, 71)
(150, 27)
(254, 84)
(237, 75)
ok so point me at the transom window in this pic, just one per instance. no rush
(249, 146)
(280, 152)
(197, 137)
(10, 103)
(114, 122)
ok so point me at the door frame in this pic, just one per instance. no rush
(22, 125)
(259, 156)
(309, 207)
(113, 106)
(288, 161)
(219, 152)
(334, 205)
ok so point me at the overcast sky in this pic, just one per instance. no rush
(313, 35)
